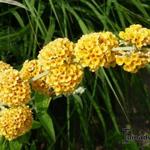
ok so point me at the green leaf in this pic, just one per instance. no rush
(47, 123)
(3, 143)
(1, 140)
(24, 139)
(78, 99)
(132, 145)
(15, 145)
(33, 146)
(36, 124)
(41, 102)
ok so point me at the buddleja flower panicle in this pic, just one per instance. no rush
(65, 78)
(133, 61)
(15, 122)
(94, 50)
(14, 91)
(56, 53)
(32, 69)
(136, 35)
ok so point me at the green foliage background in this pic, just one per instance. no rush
(113, 99)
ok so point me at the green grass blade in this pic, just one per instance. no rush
(99, 16)
(140, 7)
(84, 124)
(12, 2)
(118, 88)
(37, 18)
(107, 21)
(68, 122)
(56, 15)
(99, 113)
(79, 20)
(107, 100)
(19, 19)
(120, 14)
(50, 31)
(117, 98)
(14, 35)
(65, 19)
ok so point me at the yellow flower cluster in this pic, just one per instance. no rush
(32, 69)
(132, 62)
(16, 121)
(14, 91)
(94, 50)
(136, 35)
(65, 78)
(64, 73)
(56, 53)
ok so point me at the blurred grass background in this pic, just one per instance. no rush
(113, 99)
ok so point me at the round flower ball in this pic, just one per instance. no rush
(56, 53)
(15, 122)
(133, 61)
(94, 50)
(31, 70)
(14, 91)
(136, 35)
(65, 78)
